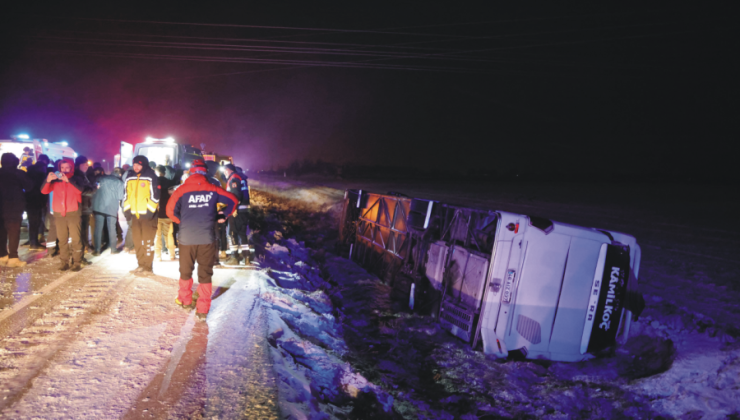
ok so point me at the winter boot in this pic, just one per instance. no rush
(185, 294)
(203, 305)
(52, 251)
(76, 268)
(4, 260)
(15, 263)
(64, 266)
(233, 259)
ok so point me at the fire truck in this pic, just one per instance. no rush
(161, 151)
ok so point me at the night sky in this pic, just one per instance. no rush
(648, 89)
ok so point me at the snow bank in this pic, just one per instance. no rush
(306, 339)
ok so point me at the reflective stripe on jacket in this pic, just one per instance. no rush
(141, 193)
(195, 205)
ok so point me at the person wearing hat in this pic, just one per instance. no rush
(239, 243)
(195, 207)
(140, 203)
(88, 227)
(214, 178)
(65, 191)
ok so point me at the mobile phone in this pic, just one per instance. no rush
(58, 174)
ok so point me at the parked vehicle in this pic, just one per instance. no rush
(162, 151)
(514, 283)
(31, 149)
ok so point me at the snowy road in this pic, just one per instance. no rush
(106, 344)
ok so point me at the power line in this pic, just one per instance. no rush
(233, 25)
(237, 60)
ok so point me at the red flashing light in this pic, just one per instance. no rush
(516, 228)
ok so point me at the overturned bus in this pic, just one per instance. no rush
(511, 282)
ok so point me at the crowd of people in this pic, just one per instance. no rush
(196, 215)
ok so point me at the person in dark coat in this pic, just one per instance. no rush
(237, 185)
(96, 173)
(13, 185)
(175, 177)
(52, 245)
(81, 170)
(36, 203)
(105, 204)
(164, 224)
(118, 173)
(214, 178)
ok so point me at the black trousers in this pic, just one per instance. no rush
(143, 231)
(34, 224)
(86, 245)
(10, 236)
(238, 232)
(102, 220)
(221, 232)
(69, 227)
(203, 255)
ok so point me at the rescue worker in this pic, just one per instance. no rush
(237, 185)
(65, 191)
(140, 203)
(195, 207)
(215, 179)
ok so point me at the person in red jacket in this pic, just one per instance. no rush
(195, 207)
(65, 191)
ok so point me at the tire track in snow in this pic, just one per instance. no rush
(240, 382)
(27, 353)
(219, 369)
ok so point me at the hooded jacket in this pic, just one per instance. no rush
(14, 183)
(238, 186)
(194, 206)
(64, 197)
(107, 198)
(141, 193)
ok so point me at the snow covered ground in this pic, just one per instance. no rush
(305, 333)
(682, 357)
